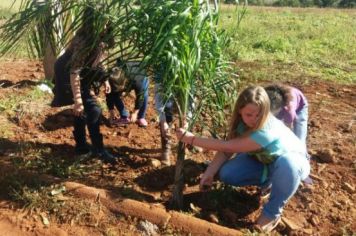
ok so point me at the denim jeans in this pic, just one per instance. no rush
(90, 118)
(164, 108)
(141, 102)
(300, 124)
(284, 174)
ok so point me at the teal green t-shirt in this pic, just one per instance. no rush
(276, 140)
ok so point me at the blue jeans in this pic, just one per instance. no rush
(285, 174)
(164, 108)
(141, 91)
(300, 124)
(92, 119)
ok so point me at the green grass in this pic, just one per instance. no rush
(282, 43)
(287, 43)
(8, 6)
(21, 104)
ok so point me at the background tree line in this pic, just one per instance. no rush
(301, 3)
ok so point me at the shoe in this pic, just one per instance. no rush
(142, 122)
(123, 121)
(113, 121)
(105, 156)
(83, 152)
(265, 193)
(308, 181)
(266, 225)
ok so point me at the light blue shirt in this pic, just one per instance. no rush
(276, 140)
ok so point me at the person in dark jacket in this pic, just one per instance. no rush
(76, 72)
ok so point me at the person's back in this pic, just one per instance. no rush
(276, 140)
(297, 102)
(291, 106)
(133, 71)
(130, 77)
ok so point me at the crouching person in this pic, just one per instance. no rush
(260, 150)
(127, 76)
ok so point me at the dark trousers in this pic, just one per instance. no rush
(91, 118)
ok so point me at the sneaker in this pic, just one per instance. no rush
(266, 225)
(308, 181)
(113, 122)
(265, 193)
(123, 121)
(106, 156)
(83, 152)
(142, 122)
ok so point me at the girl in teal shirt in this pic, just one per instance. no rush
(259, 150)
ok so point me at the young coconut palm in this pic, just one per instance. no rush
(186, 50)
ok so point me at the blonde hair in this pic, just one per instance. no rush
(252, 95)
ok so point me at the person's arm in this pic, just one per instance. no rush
(208, 176)
(76, 65)
(107, 87)
(77, 97)
(291, 109)
(236, 145)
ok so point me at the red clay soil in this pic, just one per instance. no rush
(325, 208)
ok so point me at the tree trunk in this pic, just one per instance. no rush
(49, 58)
(177, 198)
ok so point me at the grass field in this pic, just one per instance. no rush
(286, 43)
(7, 7)
(6, 4)
(313, 43)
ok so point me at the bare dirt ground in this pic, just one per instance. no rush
(38, 138)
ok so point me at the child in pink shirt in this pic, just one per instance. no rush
(290, 105)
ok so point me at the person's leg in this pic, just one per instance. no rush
(164, 110)
(120, 105)
(168, 111)
(159, 103)
(285, 175)
(241, 170)
(110, 104)
(300, 129)
(141, 90)
(81, 146)
(93, 119)
(300, 124)
(110, 100)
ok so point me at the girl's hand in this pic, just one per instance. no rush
(206, 181)
(78, 109)
(184, 135)
(107, 87)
